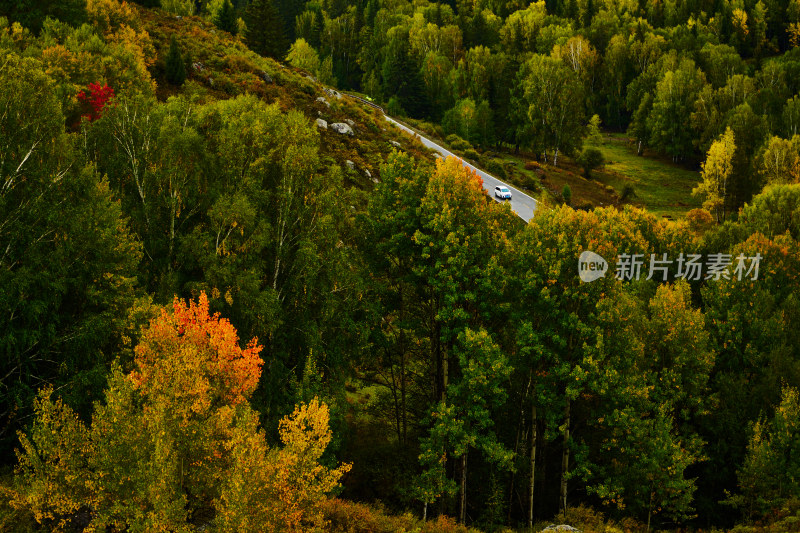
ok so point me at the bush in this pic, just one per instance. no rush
(394, 108)
(470, 153)
(529, 182)
(532, 165)
(566, 194)
(590, 159)
(495, 166)
(457, 143)
(699, 220)
(350, 517)
(628, 193)
(240, 63)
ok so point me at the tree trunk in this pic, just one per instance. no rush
(533, 465)
(403, 394)
(565, 461)
(463, 507)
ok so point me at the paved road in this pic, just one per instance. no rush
(522, 204)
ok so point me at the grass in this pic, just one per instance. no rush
(660, 186)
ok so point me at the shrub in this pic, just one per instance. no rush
(566, 194)
(495, 166)
(240, 63)
(699, 220)
(532, 165)
(530, 183)
(350, 517)
(470, 153)
(457, 143)
(394, 108)
(590, 159)
(628, 193)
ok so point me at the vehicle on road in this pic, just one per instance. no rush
(502, 192)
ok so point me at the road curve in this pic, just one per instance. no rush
(522, 204)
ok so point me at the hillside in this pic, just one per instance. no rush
(223, 67)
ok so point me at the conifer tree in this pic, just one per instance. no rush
(401, 75)
(176, 69)
(226, 18)
(265, 33)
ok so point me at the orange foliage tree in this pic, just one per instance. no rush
(176, 443)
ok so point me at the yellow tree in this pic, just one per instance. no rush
(780, 160)
(176, 440)
(280, 489)
(717, 170)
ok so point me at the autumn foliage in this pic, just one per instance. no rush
(176, 443)
(206, 365)
(94, 99)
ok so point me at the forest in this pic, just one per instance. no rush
(217, 315)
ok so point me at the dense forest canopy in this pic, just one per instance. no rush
(217, 313)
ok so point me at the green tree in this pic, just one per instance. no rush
(773, 212)
(471, 122)
(748, 323)
(590, 159)
(175, 67)
(435, 74)
(302, 55)
(649, 371)
(464, 420)
(669, 120)
(179, 7)
(32, 13)
(68, 266)
(554, 100)
(638, 126)
(225, 18)
(720, 62)
(566, 194)
(401, 78)
(553, 315)
(265, 31)
(771, 467)
(791, 117)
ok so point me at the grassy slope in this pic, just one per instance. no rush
(227, 68)
(661, 186)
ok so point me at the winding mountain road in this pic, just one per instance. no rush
(522, 204)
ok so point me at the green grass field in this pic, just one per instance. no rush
(660, 186)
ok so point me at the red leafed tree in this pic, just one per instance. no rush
(94, 100)
(196, 356)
